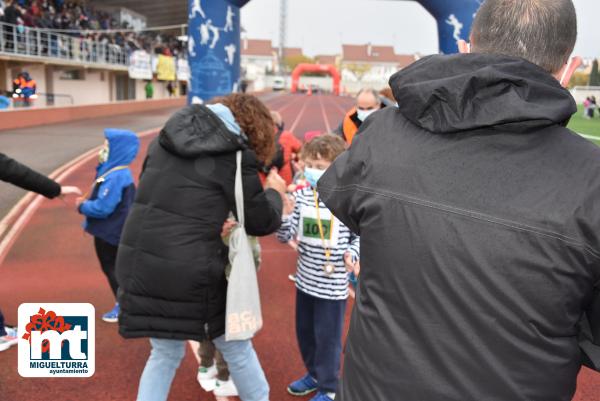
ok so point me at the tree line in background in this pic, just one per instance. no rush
(585, 79)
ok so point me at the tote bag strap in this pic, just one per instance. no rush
(239, 191)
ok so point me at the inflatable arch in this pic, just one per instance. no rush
(318, 68)
(214, 40)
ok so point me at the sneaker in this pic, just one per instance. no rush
(226, 389)
(9, 339)
(323, 397)
(292, 278)
(112, 316)
(207, 377)
(303, 386)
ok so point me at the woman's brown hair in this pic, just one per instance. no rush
(254, 118)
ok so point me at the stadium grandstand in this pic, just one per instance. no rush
(80, 52)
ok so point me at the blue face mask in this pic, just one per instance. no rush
(312, 175)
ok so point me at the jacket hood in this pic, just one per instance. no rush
(123, 146)
(195, 130)
(449, 94)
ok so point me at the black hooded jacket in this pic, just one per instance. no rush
(479, 217)
(22, 176)
(171, 260)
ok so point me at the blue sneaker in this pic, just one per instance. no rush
(323, 397)
(303, 386)
(113, 315)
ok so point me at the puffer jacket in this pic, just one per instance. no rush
(171, 260)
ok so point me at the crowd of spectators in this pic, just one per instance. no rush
(84, 21)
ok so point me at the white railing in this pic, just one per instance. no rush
(44, 44)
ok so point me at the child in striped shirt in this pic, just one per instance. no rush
(326, 248)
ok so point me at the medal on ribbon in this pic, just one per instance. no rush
(328, 268)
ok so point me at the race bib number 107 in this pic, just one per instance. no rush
(309, 227)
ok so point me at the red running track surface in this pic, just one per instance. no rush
(53, 261)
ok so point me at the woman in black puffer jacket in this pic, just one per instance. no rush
(171, 258)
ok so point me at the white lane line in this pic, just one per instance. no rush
(327, 126)
(340, 108)
(300, 114)
(290, 104)
(595, 138)
(33, 201)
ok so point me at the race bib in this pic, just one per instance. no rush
(309, 228)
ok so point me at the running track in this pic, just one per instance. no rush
(51, 260)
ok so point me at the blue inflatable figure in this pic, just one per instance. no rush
(214, 48)
(214, 40)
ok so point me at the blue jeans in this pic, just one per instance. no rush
(166, 355)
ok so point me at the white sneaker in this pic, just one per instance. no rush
(9, 339)
(226, 389)
(207, 377)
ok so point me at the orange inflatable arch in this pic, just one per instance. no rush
(321, 68)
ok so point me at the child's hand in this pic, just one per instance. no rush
(351, 266)
(288, 205)
(293, 245)
(79, 201)
(66, 190)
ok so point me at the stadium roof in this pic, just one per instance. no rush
(158, 13)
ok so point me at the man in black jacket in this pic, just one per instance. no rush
(22, 176)
(479, 218)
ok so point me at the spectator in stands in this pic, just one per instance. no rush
(479, 216)
(367, 102)
(22, 176)
(171, 256)
(52, 14)
(11, 17)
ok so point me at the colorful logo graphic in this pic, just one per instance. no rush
(56, 340)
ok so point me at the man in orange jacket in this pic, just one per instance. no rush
(367, 102)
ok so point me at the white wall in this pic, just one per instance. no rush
(580, 93)
(94, 88)
(256, 67)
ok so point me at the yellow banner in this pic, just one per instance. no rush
(165, 68)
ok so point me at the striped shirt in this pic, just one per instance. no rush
(302, 226)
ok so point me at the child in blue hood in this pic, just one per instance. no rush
(109, 201)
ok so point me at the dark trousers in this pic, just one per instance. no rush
(2, 331)
(107, 255)
(319, 325)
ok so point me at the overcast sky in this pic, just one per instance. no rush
(321, 26)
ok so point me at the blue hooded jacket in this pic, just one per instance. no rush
(111, 198)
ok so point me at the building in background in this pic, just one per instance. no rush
(259, 58)
(369, 63)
